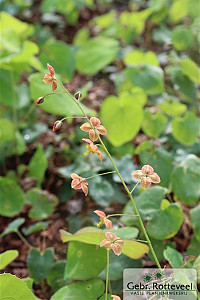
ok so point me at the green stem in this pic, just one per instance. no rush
(134, 187)
(23, 239)
(72, 118)
(122, 181)
(97, 175)
(118, 215)
(107, 273)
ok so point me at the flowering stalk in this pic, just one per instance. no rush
(121, 179)
(107, 272)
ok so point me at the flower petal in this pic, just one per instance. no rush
(75, 176)
(95, 121)
(145, 182)
(115, 297)
(110, 236)
(117, 249)
(154, 178)
(101, 129)
(108, 223)
(84, 188)
(100, 213)
(106, 244)
(54, 85)
(87, 141)
(85, 127)
(93, 135)
(147, 169)
(137, 174)
(51, 69)
(47, 79)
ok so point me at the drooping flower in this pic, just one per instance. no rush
(115, 297)
(40, 100)
(57, 125)
(50, 78)
(78, 95)
(92, 148)
(96, 123)
(103, 219)
(112, 242)
(79, 183)
(147, 176)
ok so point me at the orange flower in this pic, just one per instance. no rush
(50, 78)
(79, 183)
(92, 148)
(103, 219)
(96, 123)
(147, 176)
(112, 242)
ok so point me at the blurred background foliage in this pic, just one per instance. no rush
(136, 62)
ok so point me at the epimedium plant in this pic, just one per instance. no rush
(146, 176)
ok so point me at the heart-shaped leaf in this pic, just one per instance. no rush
(13, 226)
(12, 197)
(153, 124)
(174, 257)
(185, 129)
(122, 118)
(195, 218)
(40, 264)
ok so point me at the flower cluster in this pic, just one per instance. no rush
(112, 242)
(79, 183)
(50, 78)
(96, 123)
(103, 219)
(92, 148)
(147, 176)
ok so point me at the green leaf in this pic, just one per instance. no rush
(185, 180)
(52, 52)
(122, 118)
(90, 58)
(117, 264)
(104, 192)
(182, 37)
(159, 247)
(173, 108)
(174, 257)
(12, 197)
(195, 219)
(57, 104)
(194, 246)
(190, 69)
(43, 203)
(10, 283)
(136, 57)
(13, 226)
(38, 165)
(153, 124)
(178, 10)
(90, 289)
(7, 257)
(40, 264)
(55, 277)
(186, 129)
(197, 267)
(81, 259)
(94, 236)
(35, 227)
(150, 78)
(161, 161)
(149, 206)
(7, 132)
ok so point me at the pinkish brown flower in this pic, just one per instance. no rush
(147, 176)
(78, 95)
(50, 78)
(79, 183)
(115, 297)
(112, 242)
(96, 123)
(103, 219)
(92, 148)
(57, 125)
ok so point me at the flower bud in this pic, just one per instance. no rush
(78, 95)
(40, 100)
(57, 125)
